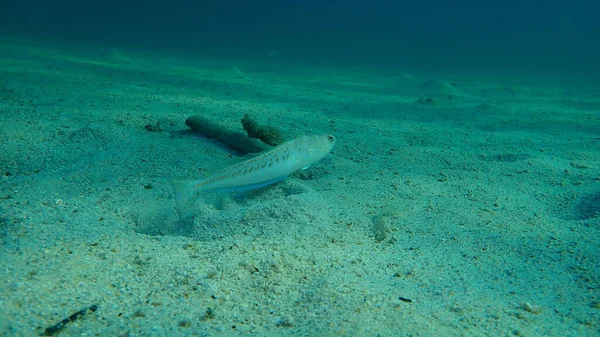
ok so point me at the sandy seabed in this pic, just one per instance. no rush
(452, 204)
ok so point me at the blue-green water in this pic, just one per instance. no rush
(468, 34)
(462, 197)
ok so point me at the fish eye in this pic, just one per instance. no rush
(331, 138)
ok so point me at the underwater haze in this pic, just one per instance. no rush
(531, 35)
(300, 168)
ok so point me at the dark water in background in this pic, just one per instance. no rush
(531, 35)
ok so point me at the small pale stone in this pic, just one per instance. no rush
(534, 309)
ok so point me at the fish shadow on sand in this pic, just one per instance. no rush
(288, 209)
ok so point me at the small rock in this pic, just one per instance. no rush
(185, 323)
(534, 309)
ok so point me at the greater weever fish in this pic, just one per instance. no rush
(265, 169)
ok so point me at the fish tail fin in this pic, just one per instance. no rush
(184, 191)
